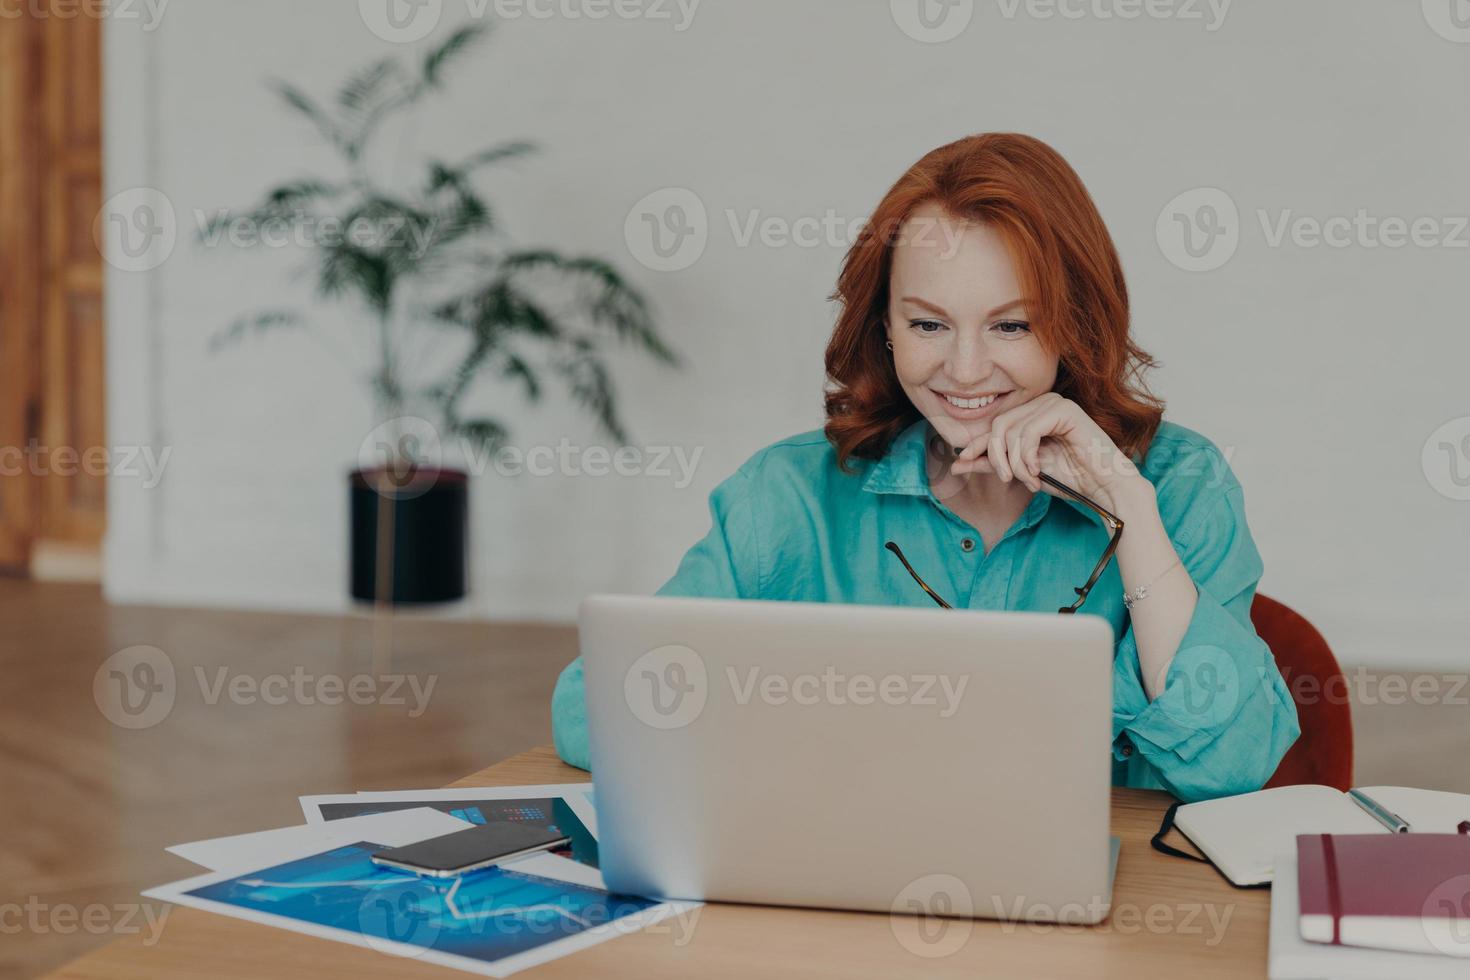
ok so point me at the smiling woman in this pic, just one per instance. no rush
(982, 368)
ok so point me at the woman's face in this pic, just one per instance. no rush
(959, 329)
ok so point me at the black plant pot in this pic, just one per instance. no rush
(409, 533)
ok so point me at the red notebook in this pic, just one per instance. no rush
(1407, 892)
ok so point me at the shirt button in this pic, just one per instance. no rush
(968, 544)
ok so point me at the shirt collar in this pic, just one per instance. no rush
(904, 469)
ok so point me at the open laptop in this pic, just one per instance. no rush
(852, 757)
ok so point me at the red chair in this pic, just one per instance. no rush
(1324, 752)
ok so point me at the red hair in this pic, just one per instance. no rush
(1077, 302)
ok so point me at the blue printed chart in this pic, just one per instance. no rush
(491, 922)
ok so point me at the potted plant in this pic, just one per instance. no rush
(428, 269)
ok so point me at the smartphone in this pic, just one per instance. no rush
(470, 850)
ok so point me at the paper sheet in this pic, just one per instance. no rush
(577, 795)
(243, 852)
(492, 923)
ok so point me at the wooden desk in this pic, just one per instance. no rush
(1170, 917)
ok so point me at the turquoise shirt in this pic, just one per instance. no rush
(790, 525)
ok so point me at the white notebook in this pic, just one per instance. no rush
(1243, 834)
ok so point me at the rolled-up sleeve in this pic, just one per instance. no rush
(1225, 717)
(724, 564)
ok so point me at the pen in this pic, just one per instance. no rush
(1379, 812)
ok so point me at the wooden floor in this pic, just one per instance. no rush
(87, 806)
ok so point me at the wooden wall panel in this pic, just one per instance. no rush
(20, 281)
(72, 394)
(51, 330)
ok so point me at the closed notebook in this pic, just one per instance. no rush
(1243, 834)
(1290, 957)
(1407, 892)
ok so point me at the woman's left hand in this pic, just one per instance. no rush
(1052, 434)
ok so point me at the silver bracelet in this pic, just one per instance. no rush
(1141, 593)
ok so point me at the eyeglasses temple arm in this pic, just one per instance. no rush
(1112, 520)
(922, 584)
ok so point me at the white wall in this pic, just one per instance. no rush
(1324, 370)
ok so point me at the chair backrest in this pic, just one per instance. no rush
(1324, 752)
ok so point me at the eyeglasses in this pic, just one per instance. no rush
(1108, 518)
